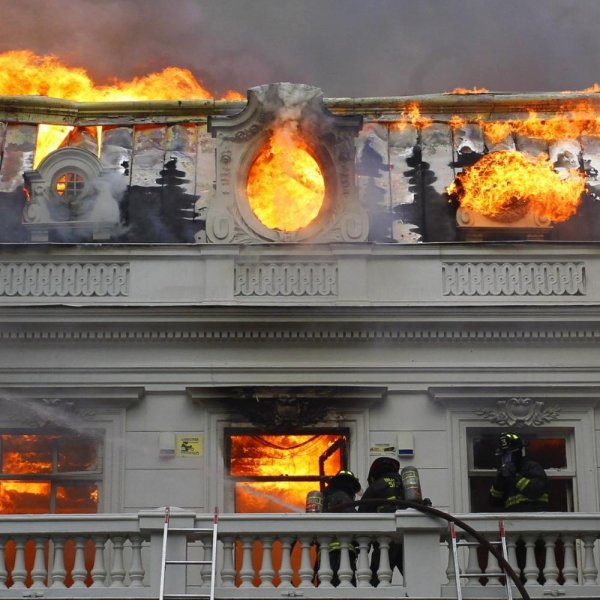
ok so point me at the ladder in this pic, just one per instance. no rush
(457, 574)
(212, 562)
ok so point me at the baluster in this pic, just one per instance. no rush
(590, 571)
(345, 571)
(205, 570)
(19, 573)
(286, 572)
(267, 573)
(384, 572)
(3, 571)
(228, 568)
(493, 571)
(99, 570)
(472, 564)
(38, 571)
(79, 572)
(530, 570)
(325, 573)
(246, 570)
(363, 571)
(511, 552)
(117, 569)
(136, 569)
(570, 565)
(306, 571)
(58, 571)
(550, 569)
(450, 573)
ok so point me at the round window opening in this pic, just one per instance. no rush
(69, 185)
(285, 187)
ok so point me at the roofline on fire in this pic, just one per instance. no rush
(55, 111)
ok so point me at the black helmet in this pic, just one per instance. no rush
(345, 480)
(381, 466)
(509, 442)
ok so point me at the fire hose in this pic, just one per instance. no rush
(435, 512)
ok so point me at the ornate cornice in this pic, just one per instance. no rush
(519, 412)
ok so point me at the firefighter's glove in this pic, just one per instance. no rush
(508, 469)
(426, 502)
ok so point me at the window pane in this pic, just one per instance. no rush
(483, 451)
(560, 493)
(77, 453)
(27, 453)
(77, 498)
(24, 497)
(551, 453)
(280, 455)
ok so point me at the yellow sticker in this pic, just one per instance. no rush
(188, 445)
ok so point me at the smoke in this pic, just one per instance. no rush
(345, 47)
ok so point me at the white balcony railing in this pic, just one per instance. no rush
(275, 555)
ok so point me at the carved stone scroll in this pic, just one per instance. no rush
(64, 279)
(514, 279)
(517, 412)
(286, 279)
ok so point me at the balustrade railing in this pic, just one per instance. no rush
(274, 555)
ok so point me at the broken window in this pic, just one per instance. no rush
(275, 472)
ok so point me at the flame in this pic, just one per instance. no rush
(285, 188)
(473, 90)
(412, 115)
(278, 456)
(23, 73)
(504, 185)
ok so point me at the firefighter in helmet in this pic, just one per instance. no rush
(385, 484)
(521, 484)
(339, 496)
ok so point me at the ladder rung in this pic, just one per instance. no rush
(191, 529)
(186, 595)
(462, 544)
(188, 562)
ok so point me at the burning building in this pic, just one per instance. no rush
(222, 303)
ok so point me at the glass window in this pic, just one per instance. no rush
(552, 449)
(49, 473)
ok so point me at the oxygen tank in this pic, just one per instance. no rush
(314, 502)
(411, 484)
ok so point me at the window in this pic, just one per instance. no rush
(273, 472)
(49, 472)
(69, 185)
(551, 448)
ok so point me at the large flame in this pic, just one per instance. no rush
(278, 456)
(411, 115)
(24, 454)
(285, 185)
(23, 73)
(505, 185)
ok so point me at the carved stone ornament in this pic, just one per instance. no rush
(280, 408)
(240, 139)
(519, 412)
(43, 412)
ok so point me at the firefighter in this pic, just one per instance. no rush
(338, 496)
(521, 484)
(385, 484)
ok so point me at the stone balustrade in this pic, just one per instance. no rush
(274, 555)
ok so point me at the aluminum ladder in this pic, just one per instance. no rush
(212, 562)
(457, 574)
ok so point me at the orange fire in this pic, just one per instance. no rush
(505, 185)
(286, 189)
(411, 115)
(473, 90)
(23, 73)
(278, 456)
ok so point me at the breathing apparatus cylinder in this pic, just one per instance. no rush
(411, 484)
(314, 502)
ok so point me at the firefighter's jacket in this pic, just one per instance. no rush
(339, 501)
(525, 490)
(388, 487)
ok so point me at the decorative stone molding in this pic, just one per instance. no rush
(286, 279)
(518, 412)
(64, 279)
(513, 279)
